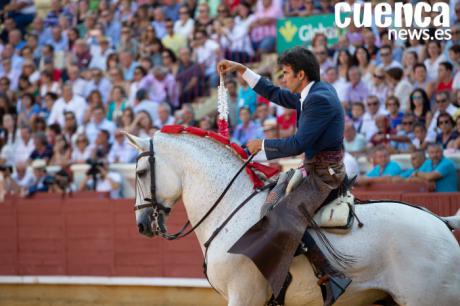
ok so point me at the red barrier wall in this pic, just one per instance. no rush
(98, 236)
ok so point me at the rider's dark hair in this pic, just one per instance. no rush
(300, 58)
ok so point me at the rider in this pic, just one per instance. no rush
(320, 122)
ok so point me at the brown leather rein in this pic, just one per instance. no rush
(160, 211)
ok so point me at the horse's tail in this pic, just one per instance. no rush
(453, 222)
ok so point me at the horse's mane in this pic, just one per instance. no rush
(228, 145)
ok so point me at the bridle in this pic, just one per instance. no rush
(160, 211)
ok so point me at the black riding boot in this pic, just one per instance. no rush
(332, 282)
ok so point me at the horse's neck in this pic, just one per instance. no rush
(207, 168)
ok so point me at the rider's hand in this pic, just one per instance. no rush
(254, 146)
(226, 66)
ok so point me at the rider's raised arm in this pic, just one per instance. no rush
(268, 90)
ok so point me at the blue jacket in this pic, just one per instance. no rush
(320, 124)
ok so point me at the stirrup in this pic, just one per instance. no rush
(332, 287)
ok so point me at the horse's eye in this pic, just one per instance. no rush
(141, 173)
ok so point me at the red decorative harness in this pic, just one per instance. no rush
(266, 170)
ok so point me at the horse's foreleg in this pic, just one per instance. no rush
(254, 300)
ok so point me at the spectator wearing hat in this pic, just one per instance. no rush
(438, 170)
(100, 53)
(42, 180)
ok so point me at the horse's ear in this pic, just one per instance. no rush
(134, 141)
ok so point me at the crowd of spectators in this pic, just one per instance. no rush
(73, 80)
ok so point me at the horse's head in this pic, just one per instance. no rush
(154, 201)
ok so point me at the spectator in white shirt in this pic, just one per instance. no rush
(434, 57)
(386, 55)
(81, 151)
(68, 102)
(185, 24)
(206, 52)
(139, 74)
(443, 105)
(121, 151)
(374, 110)
(24, 146)
(378, 87)
(142, 103)
(100, 83)
(235, 40)
(98, 123)
(78, 84)
(164, 116)
(100, 53)
(12, 74)
(340, 85)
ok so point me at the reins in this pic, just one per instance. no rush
(160, 211)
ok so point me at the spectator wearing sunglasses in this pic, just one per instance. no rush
(373, 109)
(445, 124)
(379, 87)
(394, 114)
(402, 141)
(386, 57)
(443, 105)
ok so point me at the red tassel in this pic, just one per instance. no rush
(222, 125)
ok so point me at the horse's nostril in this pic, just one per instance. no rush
(141, 228)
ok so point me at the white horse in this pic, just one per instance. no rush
(402, 252)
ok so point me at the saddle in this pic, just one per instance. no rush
(336, 214)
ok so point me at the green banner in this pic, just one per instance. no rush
(295, 31)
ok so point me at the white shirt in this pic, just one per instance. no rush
(92, 129)
(79, 87)
(351, 165)
(23, 150)
(78, 155)
(26, 181)
(122, 153)
(77, 105)
(184, 29)
(252, 78)
(206, 55)
(105, 185)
